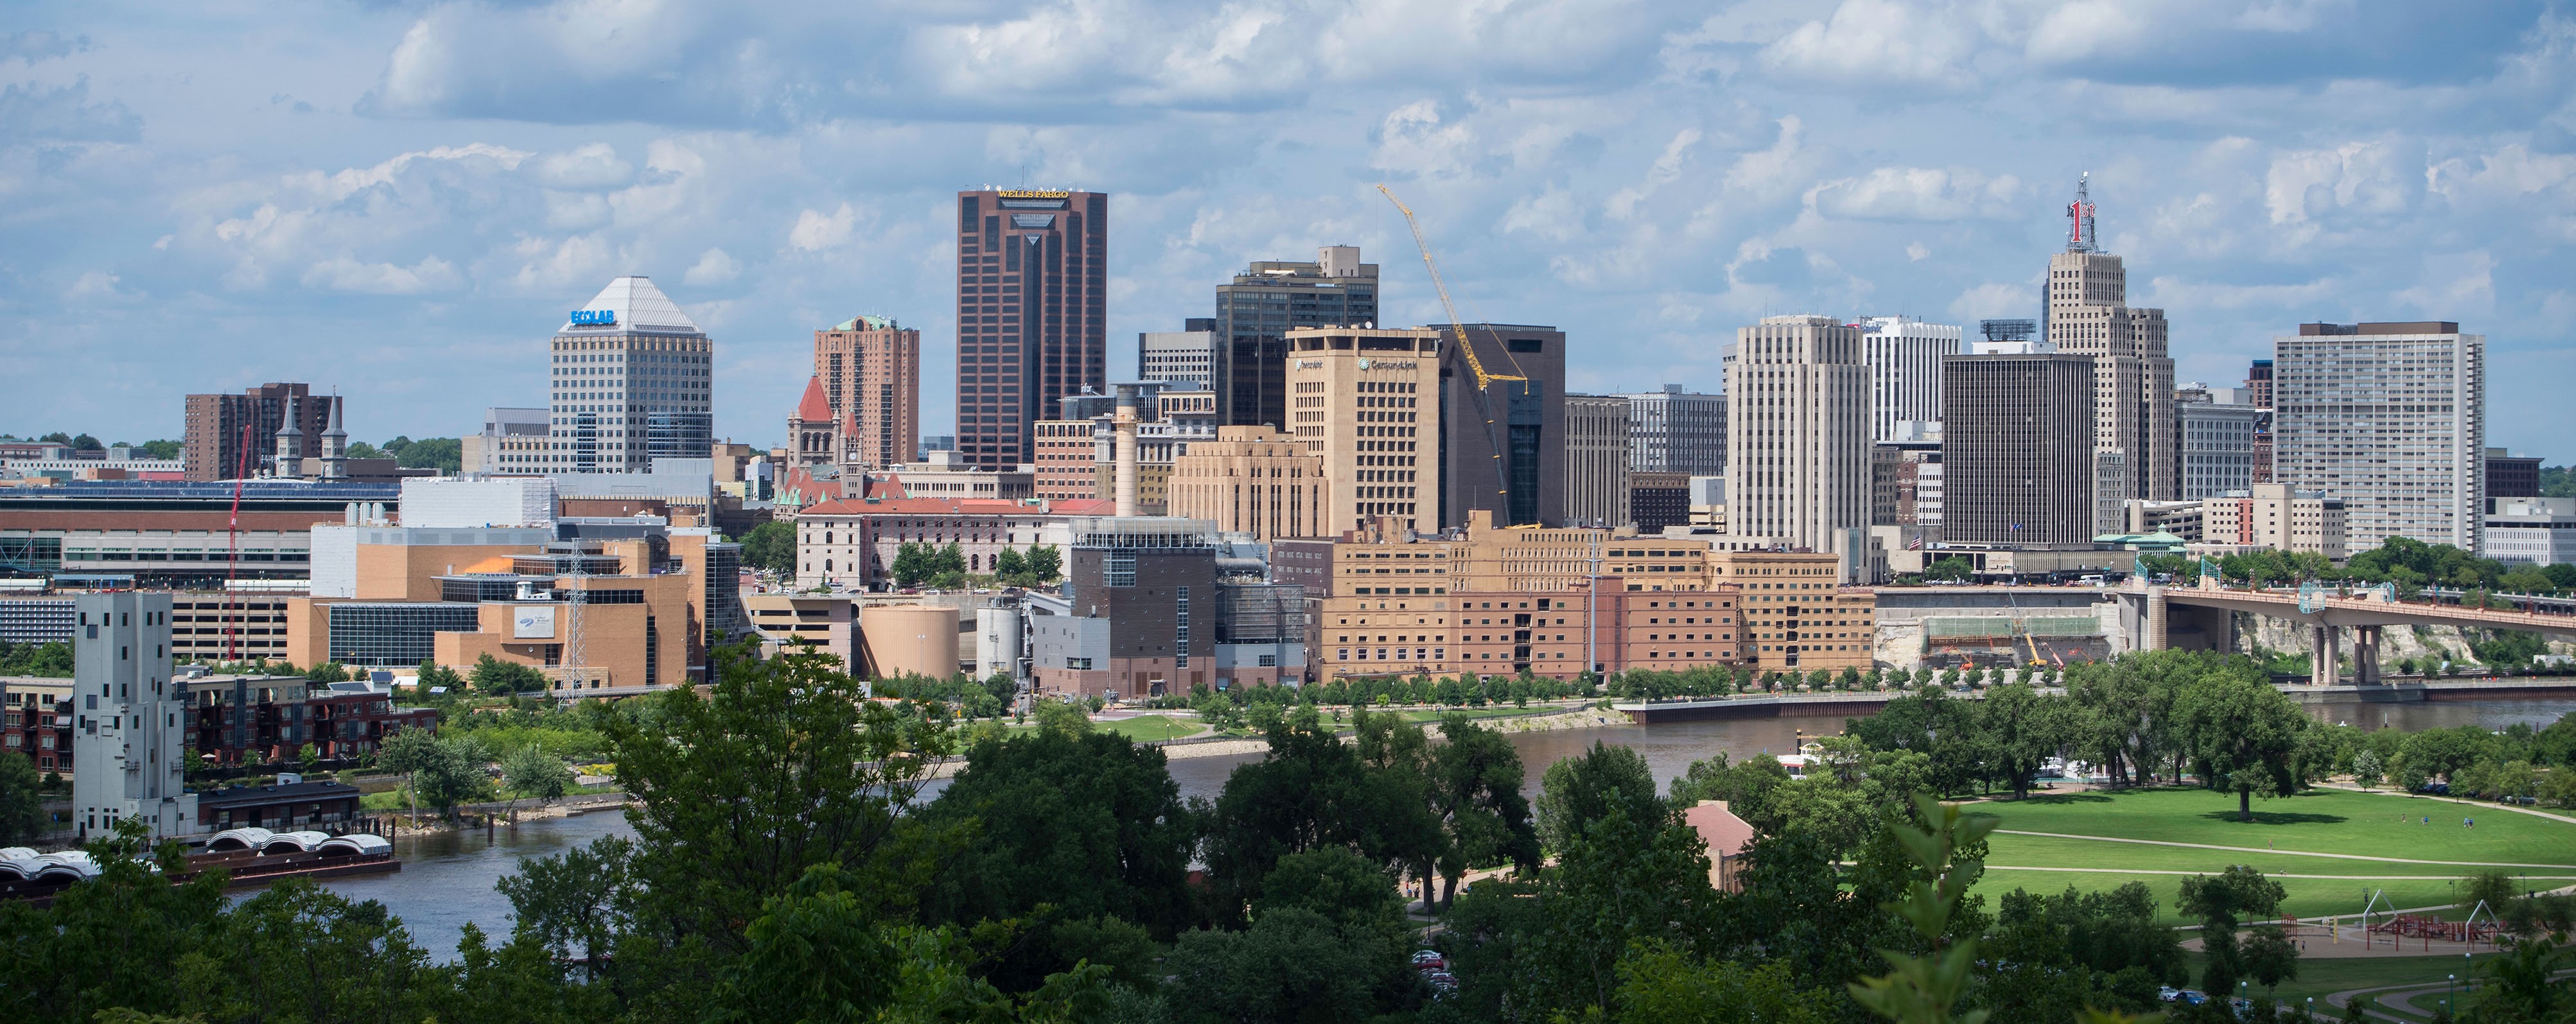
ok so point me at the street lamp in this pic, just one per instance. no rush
(2449, 993)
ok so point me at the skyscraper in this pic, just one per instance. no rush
(1255, 313)
(1032, 314)
(2089, 314)
(2217, 429)
(871, 373)
(2389, 417)
(1515, 464)
(1905, 373)
(1596, 460)
(2017, 450)
(631, 380)
(1369, 403)
(2258, 393)
(1797, 432)
(1676, 431)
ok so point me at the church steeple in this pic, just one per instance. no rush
(290, 442)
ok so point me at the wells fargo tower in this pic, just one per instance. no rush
(1032, 283)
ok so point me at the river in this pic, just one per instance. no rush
(447, 878)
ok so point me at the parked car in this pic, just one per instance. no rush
(1429, 958)
(2167, 994)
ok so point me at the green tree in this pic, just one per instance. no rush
(444, 454)
(1475, 779)
(330, 672)
(497, 677)
(2243, 734)
(164, 450)
(913, 563)
(1046, 564)
(531, 772)
(50, 660)
(575, 904)
(1577, 791)
(771, 547)
(1923, 988)
(951, 561)
(1949, 569)
(1067, 827)
(1012, 567)
(433, 676)
(117, 940)
(1062, 718)
(2023, 730)
(1308, 792)
(2220, 902)
(22, 800)
(1292, 965)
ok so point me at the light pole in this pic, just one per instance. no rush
(2450, 994)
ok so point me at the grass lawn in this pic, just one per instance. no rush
(2319, 978)
(2317, 822)
(1151, 728)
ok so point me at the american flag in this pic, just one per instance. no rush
(1914, 543)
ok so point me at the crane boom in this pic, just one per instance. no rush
(1457, 327)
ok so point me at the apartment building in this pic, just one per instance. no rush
(2390, 418)
(870, 369)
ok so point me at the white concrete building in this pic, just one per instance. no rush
(2391, 418)
(1904, 356)
(2534, 531)
(129, 745)
(1797, 432)
(2217, 444)
(630, 380)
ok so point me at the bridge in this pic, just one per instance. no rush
(2327, 610)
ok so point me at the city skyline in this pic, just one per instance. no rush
(378, 192)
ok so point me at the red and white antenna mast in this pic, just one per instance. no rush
(2079, 217)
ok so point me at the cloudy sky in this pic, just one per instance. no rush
(401, 200)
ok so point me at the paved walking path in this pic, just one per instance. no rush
(2147, 871)
(2291, 853)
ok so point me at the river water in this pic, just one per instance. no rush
(447, 878)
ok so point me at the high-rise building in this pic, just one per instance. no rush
(630, 380)
(1676, 431)
(871, 373)
(214, 442)
(1521, 421)
(511, 441)
(1368, 402)
(2390, 417)
(2089, 315)
(1253, 480)
(1904, 356)
(2017, 450)
(1255, 313)
(2217, 440)
(1596, 460)
(2258, 393)
(1032, 314)
(133, 717)
(1183, 357)
(1797, 432)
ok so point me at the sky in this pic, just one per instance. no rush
(401, 201)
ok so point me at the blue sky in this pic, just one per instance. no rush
(401, 200)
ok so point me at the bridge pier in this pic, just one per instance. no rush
(2325, 657)
(2365, 655)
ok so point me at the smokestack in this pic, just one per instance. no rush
(1123, 427)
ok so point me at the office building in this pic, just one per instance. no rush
(1255, 313)
(2273, 516)
(1183, 358)
(2512, 476)
(1904, 356)
(1032, 314)
(2017, 451)
(1525, 484)
(1252, 480)
(131, 744)
(1596, 460)
(1797, 431)
(510, 441)
(2258, 393)
(1797, 614)
(630, 381)
(1676, 431)
(852, 543)
(1135, 616)
(1658, 500)
(870, 368)
(2531, 531)
(2389, 417)
(1905, 483)
(2089, 315)
(1077, 453)
(1368, 402)
(2218, 429)
(231, 436)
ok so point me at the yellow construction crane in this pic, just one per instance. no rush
(1458, 331)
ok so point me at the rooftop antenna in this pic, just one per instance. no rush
(2079, 215)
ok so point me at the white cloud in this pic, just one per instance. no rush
(1666, 170)
(348, 275)
(1919, 194)
(816, 230)
(1870, 43)
(713, 267)
(95, 286)
(2368, 180)
(1997, 301)
(593, 166)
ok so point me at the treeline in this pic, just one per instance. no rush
(52, 660)
(2410, 565)
(787, 867)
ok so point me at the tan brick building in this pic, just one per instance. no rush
(1252, 480)
(871, 373)
(1367, 402)
(1796, 615)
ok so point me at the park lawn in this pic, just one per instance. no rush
(1151, 728)
(2052, 851)
(2303, 897)
(2320, 977)
(2324, 821)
